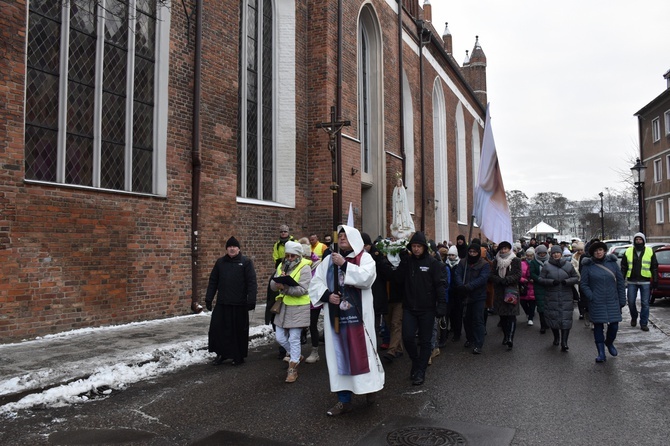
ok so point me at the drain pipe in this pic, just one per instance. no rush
(422, 29)
(338, 104)
(401, 108)
(195, 157)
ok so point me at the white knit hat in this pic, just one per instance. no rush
(292, 247)
(452, 250)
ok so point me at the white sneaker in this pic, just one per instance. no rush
(530, 322)
(313, 357)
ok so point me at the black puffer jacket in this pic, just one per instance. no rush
(233, 281)
(424, 280)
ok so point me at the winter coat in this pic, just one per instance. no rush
(539, 289)
(380, 289)
(233, 281)
(527, 280)
(474, 278)
(501, 284)
(424, 281)
(558, 307)
(605, 292)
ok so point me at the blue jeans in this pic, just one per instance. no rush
(644, 299)
(423, 321)
(599, 332)
(344, 396)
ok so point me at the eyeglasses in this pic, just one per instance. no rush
(281, 232)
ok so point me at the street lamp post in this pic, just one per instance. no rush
(638, 175)
(602, 217)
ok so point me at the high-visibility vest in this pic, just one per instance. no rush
(295, 274)
(645, 269)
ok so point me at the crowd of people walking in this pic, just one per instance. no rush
(412, 298)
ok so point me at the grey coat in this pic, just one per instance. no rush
(558, 307)
(604, 291)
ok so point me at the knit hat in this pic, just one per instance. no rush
(232, 241)
(283, 228)
(595, 246)
(557, 249)
(502, 245)
(517, 247)
(366, 238)
(292, 247)
(531, 250)
(452, 250)
(476, 247)
(460, 237)
(578, 246)
(641, 235)
(541, 249)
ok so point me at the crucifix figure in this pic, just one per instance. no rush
(333, 128)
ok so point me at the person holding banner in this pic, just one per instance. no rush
(343, 282)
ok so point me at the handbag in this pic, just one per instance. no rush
(523, 289)
(276, 308)
(511, 296)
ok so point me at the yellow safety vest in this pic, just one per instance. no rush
(645, 269)
(318, 249)
(295, 274)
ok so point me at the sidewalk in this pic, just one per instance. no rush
(36, 365)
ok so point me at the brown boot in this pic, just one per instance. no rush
(292, 373)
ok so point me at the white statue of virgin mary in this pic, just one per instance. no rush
(402, 226)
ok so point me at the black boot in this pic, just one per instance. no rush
(555, 332)
(564, 340)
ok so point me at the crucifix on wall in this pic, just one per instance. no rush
(333, 128)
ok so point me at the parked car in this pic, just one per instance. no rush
(663, 287)
(611, 243)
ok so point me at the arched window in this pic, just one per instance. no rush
(461, 167)
(370, 121)
(266, 139)
(441, 179)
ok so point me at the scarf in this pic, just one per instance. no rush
(503, 261)
(288, 265)
(453, 263)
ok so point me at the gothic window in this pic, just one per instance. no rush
(256, 156)
(441, 179)
(92, 113)
(461, 167)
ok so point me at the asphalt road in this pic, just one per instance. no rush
(533, 395)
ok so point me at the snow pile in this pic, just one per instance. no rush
(136, 366)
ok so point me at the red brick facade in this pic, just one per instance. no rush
(75, 257)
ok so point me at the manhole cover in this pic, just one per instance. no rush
(420, 436)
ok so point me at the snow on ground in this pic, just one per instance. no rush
(141, 365)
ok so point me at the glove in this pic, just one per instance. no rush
(556, 282)
(441, 311)
(208, 304)
(251, 307)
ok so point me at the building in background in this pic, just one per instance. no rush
(654, 128)
(136, 138)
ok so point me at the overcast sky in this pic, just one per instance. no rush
(564, 80)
